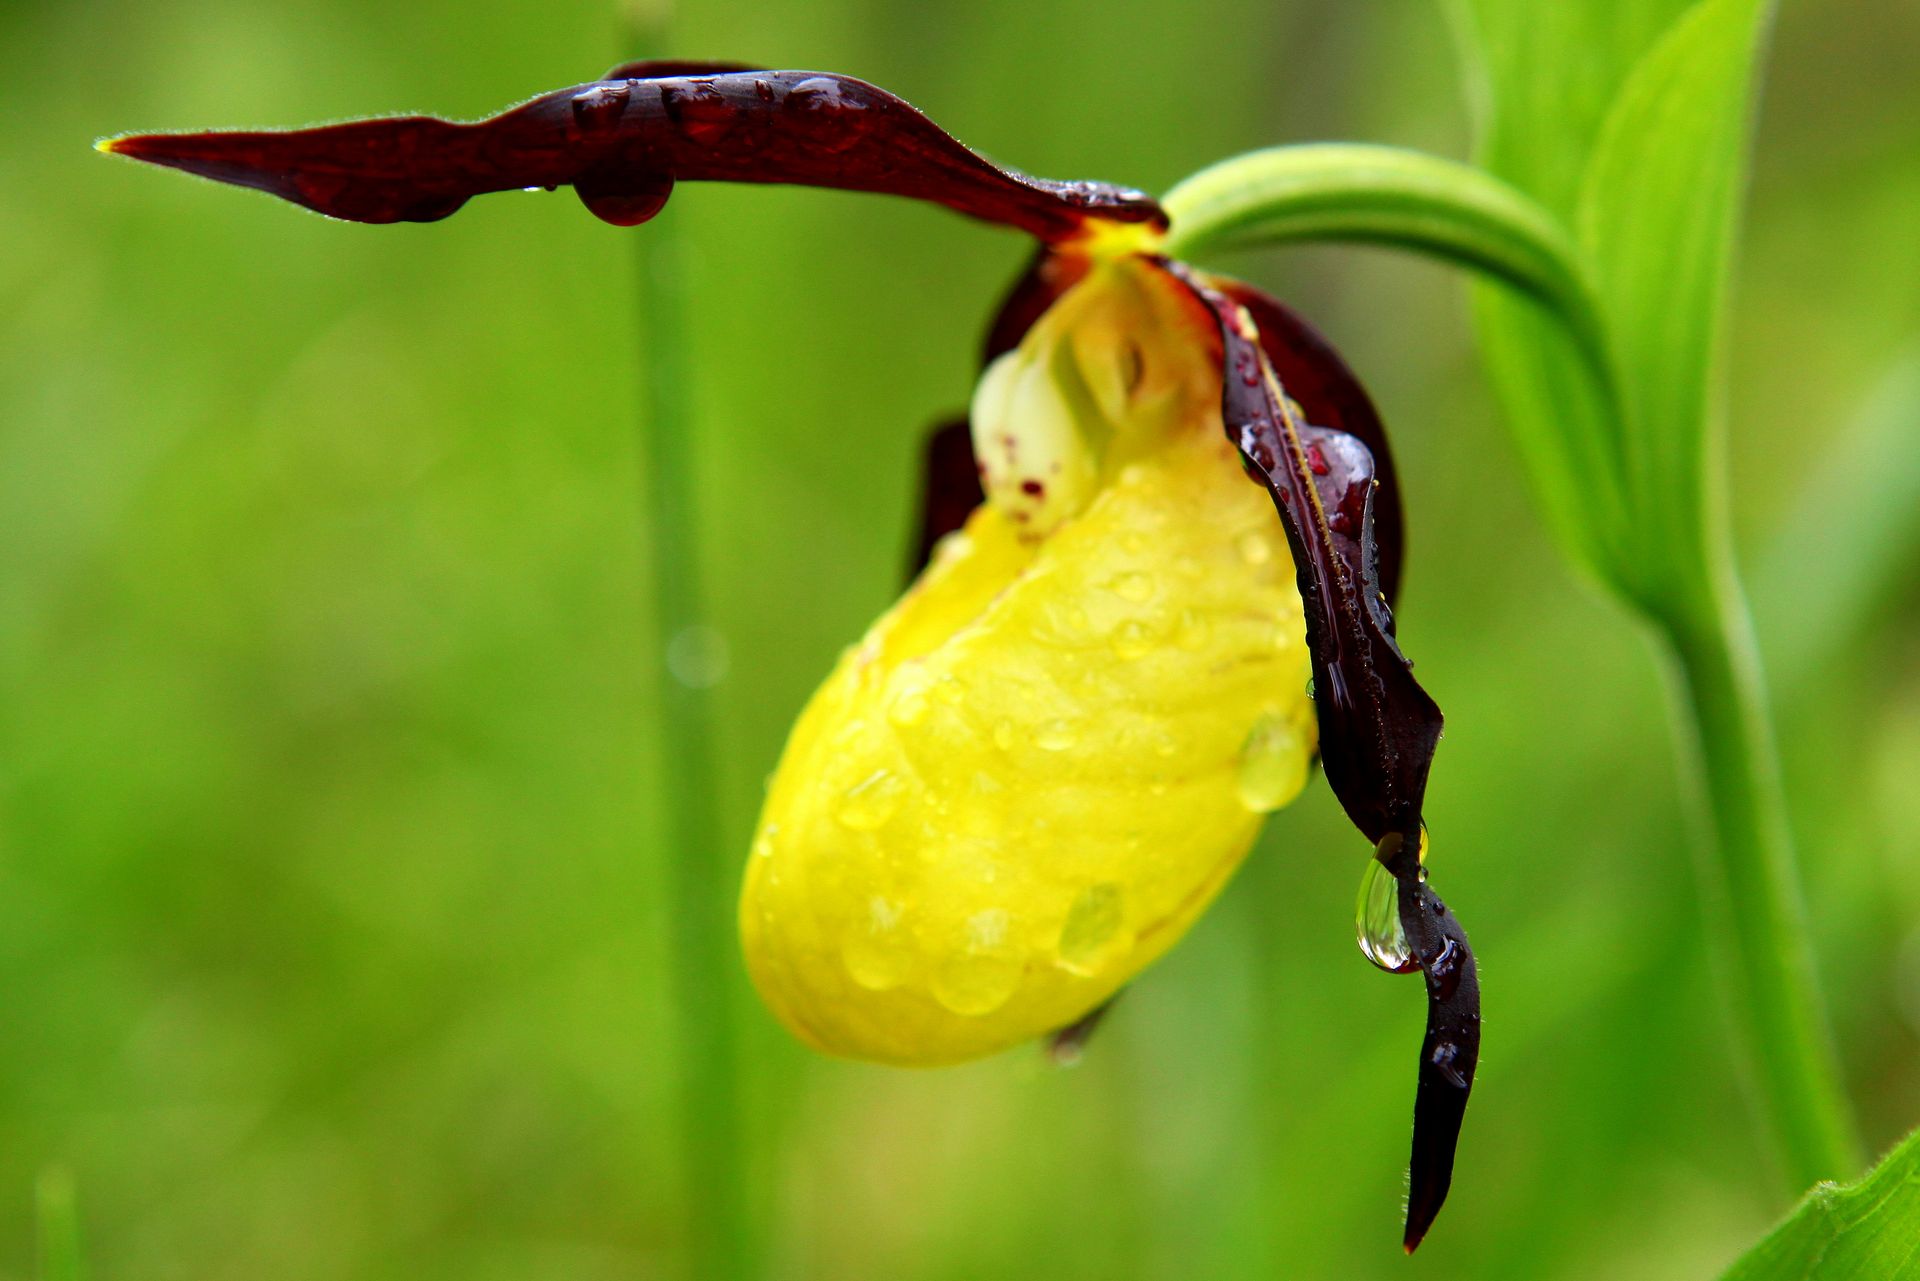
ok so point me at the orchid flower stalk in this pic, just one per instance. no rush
(1160, 567)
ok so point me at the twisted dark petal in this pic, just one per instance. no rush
(623, 143)
(1329, 395)
(1451, 1048)
(1378, 728)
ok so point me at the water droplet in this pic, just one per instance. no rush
(985, 972)
(1003, 737)
(1133, 542)
(1135, 587)
(869, 803)
(1443, 971)
(820, 106)
(1255, 548)
(599, 107)
(909, 706)
(1092, 937)
(1377, 921)
(763, 848)
(1191, 632)
(875, 950)
(1132, 639)
(1056, 736)
(1273, 764)
(622, 198)
(949, 690)
(702, 111)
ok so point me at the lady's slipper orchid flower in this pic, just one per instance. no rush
(1035, 771)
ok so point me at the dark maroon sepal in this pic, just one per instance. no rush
(622, 143)
(1378, 728)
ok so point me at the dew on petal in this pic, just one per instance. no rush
(1056, 736)
(983, 975)
(1273, 764)
(1093, 937)
(1132, 639)
(869, 803)
(875, 950)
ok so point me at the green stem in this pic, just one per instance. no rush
(1753, 890)
(1386, 195)
(702, 956)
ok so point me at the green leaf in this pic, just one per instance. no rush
(1543, 78)
(1630, 118)
(1865, 1231)
(1657, 215)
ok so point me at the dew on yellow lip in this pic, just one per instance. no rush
(1056, 736)
(1034, 772)
(869, 803)
(984, 971)
(1272, 767)
(1093, 933)
(1133, 639)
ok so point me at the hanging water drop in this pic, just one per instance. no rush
(1377, 921)
(624, 199)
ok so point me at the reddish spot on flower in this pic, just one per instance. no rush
(1317, 459)
(1033, 488)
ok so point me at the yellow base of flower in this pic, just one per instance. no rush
(1032, 774)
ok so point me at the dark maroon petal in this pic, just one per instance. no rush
(1378, 728)
(949, 489)
(1450, 1050)
(623, 143)
(1330, 396)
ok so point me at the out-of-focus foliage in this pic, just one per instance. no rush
(329, 869)
(1865, 1231)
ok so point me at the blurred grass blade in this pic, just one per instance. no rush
(1864, 1231)
(722, 1240)
(57, 1224)
(1851, 542)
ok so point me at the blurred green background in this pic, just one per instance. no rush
(333, 920)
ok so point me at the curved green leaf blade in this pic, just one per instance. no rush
(1865, 1231)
